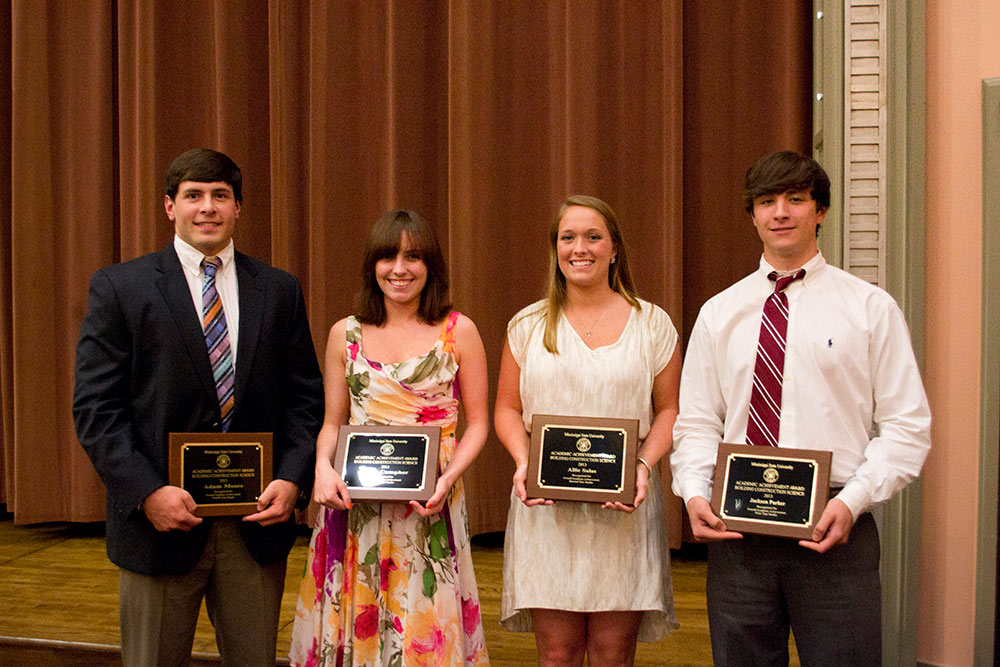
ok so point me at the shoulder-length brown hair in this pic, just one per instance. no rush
(384, 241)
(619, 273)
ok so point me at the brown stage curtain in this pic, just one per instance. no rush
(747, 88)
(483, 116)
(747, 92)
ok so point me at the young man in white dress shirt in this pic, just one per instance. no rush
(851, 385)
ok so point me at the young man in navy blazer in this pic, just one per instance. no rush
(143, 372)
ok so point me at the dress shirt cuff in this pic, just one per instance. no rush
(691, 488)
(855, 497)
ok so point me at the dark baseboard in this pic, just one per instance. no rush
(17, 651)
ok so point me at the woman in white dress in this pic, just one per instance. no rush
(588, 579)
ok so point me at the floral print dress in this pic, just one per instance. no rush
(382, 584)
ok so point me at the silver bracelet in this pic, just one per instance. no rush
(643, 462)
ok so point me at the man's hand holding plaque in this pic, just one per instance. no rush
(388, 463)
(770, 490)
(586, 459)
(225, 473)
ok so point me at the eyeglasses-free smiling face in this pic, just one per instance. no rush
(204, 214)
(402, 277)
(584, 248)
(786, 223)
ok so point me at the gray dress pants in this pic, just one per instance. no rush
(759, 587)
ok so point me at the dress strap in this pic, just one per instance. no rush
(352, 332)
(448, 328)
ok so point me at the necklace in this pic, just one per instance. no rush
(589, 329)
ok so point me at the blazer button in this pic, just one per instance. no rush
(215, 425)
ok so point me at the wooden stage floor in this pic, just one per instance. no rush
(57, 584)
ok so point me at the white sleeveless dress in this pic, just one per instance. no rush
(578, 556)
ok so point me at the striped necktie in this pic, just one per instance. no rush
(768, 372)
(217, 340)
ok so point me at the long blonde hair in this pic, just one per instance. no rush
(619, 273)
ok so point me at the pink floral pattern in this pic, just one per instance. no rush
(386, 567)
(366, 624)
(470, 614)
(430, 414)
(383, 585)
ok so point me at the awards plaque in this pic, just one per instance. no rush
(587, 459)
(388, 463)
(770, 490)
(225, 473)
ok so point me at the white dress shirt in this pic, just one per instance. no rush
(225, 284)
(851, 384)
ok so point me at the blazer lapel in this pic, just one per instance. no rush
(251, 320)
(174, 288)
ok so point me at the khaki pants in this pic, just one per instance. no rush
(159, 612)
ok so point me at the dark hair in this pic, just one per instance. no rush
(384, 241)
(203, 165)
(783, 171)
(619, 273)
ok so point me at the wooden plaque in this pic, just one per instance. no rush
(771, 490)
(388, 463)
(225, 473)
(586, 459)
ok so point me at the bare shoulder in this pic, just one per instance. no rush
(339, 327)
(467, 339)
(465, 327)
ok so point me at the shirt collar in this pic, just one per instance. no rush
(813, 268)
(191, 257)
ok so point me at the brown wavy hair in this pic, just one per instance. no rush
(783, 171)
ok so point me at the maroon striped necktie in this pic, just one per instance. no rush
(765, 399)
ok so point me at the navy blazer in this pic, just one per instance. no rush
(142, 372)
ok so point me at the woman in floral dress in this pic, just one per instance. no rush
(392, 583)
